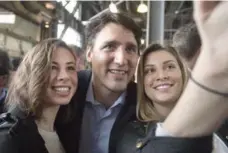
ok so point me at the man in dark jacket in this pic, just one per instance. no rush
(106, 98)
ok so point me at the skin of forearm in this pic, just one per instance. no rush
(198, 111)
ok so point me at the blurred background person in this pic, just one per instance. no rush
(5, 67)
(187, 42)
(4, 73)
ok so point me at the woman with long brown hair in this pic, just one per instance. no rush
(45, 79)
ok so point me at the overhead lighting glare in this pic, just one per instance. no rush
(49, 6)
(113, 8)
(142, 8)
(7, 18)
(142, 41)
(47, 25)
(60, 21)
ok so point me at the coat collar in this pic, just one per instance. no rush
(25, 132)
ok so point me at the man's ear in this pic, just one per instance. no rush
(89, 54)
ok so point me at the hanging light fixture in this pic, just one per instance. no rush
(47, 25)
(142, 41)
(113, 8)
(142, 8)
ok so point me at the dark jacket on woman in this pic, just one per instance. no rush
(19, 134)
(2, 105)
(2, 100)
(139, 137)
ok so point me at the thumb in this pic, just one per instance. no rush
(203, 9)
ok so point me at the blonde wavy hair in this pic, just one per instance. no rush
(27, 89)
(145, 109)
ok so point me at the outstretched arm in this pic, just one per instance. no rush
(199, 112)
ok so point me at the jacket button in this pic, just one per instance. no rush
(139, 144)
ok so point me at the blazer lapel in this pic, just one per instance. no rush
(127, 114)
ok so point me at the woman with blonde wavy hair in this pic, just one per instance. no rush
(45, 79)
(161, 78)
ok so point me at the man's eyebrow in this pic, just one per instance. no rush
(111, 42)
(132, 44)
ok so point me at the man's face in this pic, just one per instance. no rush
(113, 57)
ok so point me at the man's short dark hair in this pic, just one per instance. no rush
(98, 23)
(187, 41)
